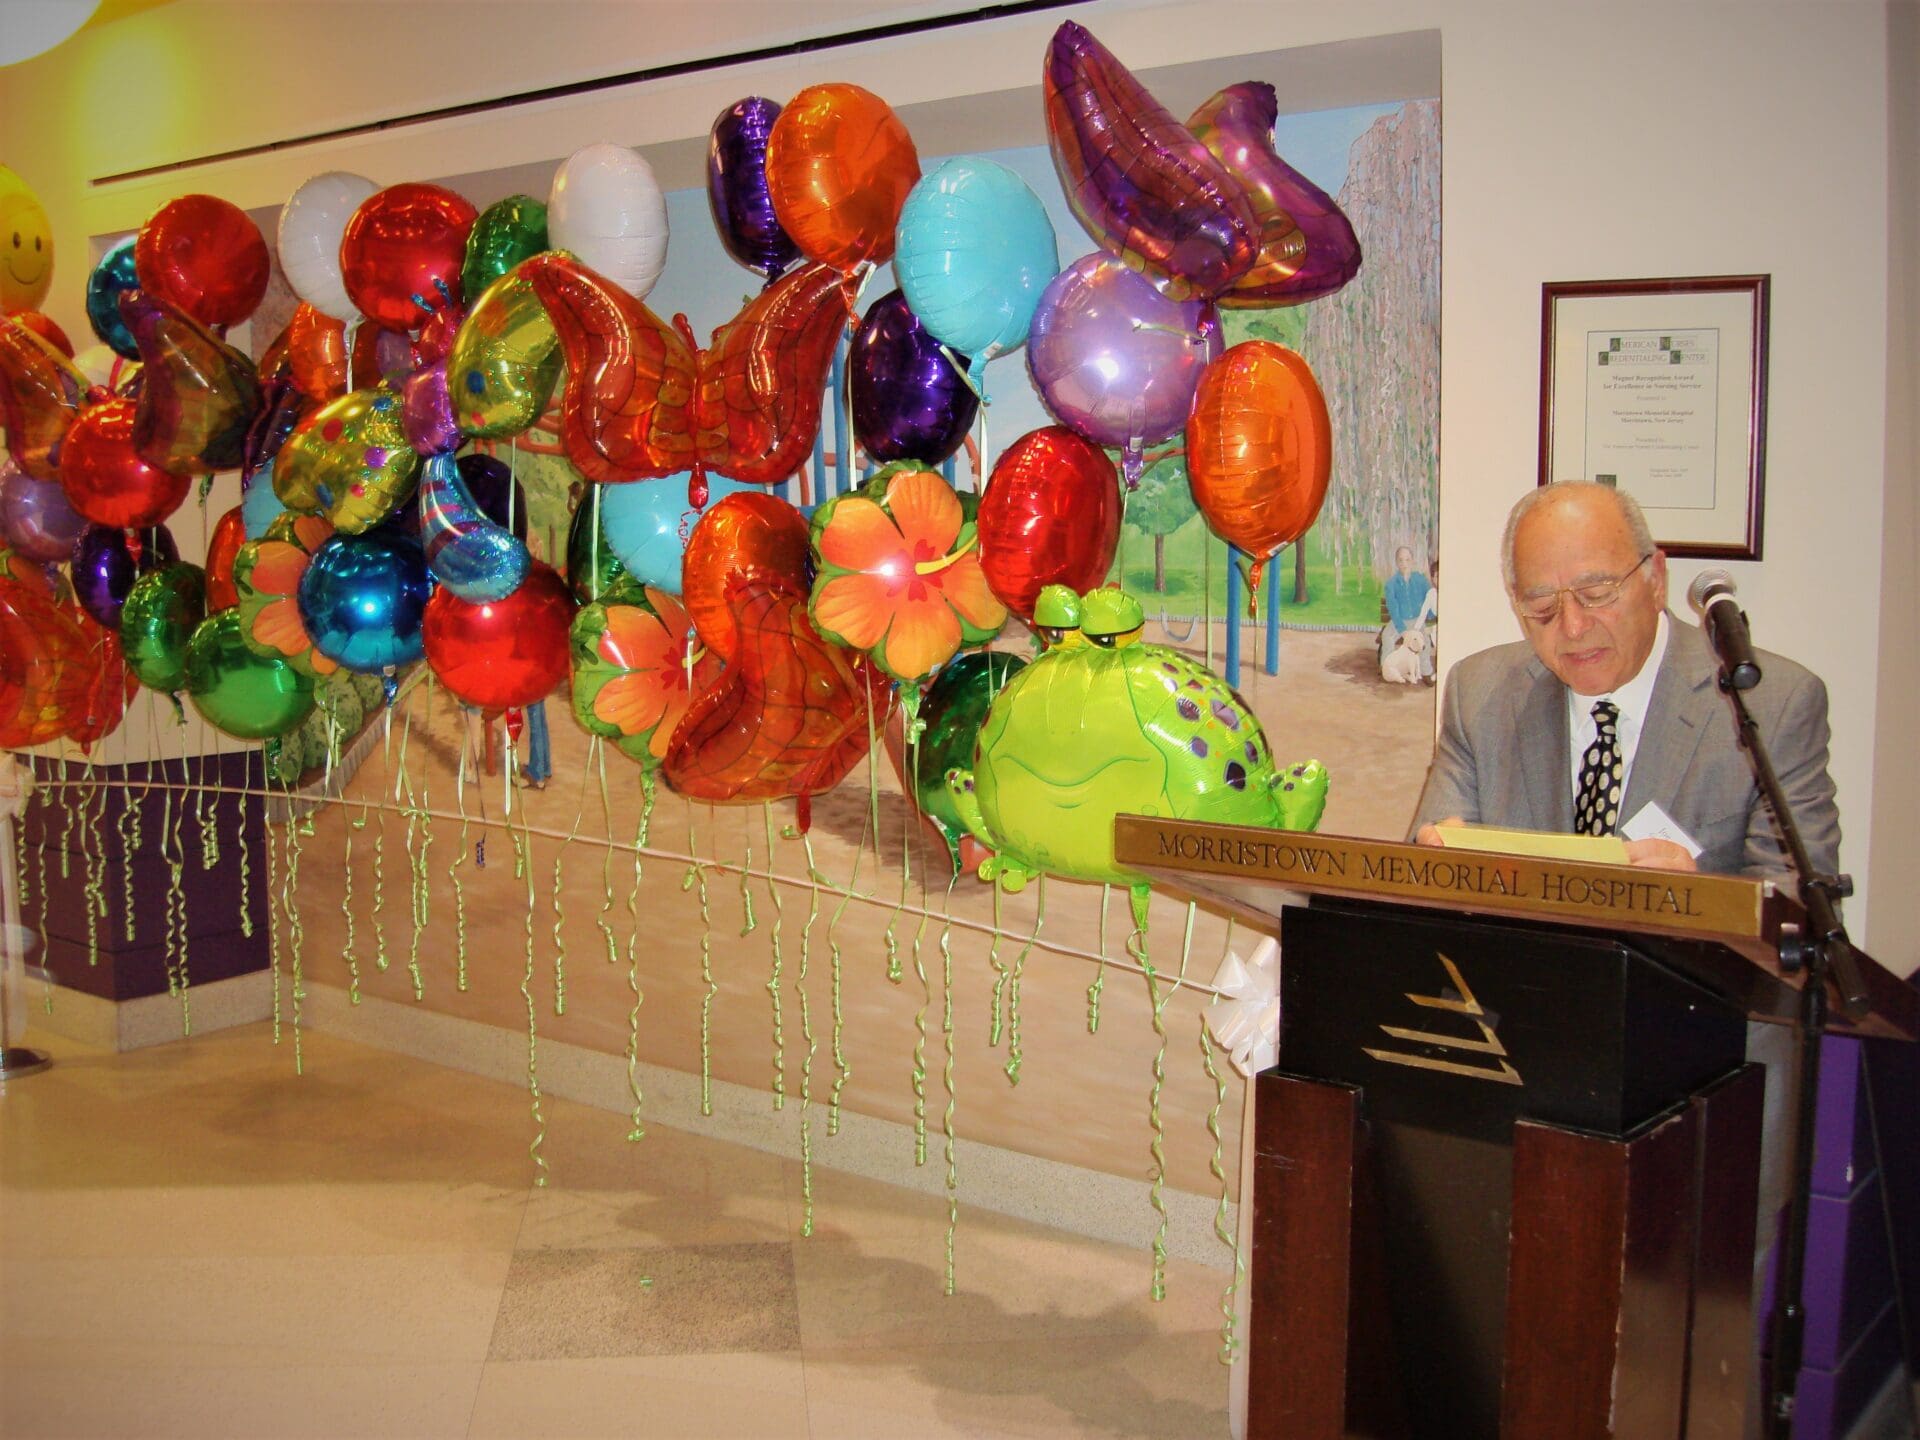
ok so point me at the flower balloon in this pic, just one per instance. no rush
(636, 669)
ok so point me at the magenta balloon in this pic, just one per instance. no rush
(1144, 187)
(908, 400)
(1116, 360)
(35, 519)
(426, 411)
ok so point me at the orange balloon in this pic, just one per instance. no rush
(109, 684)
(229, 534)
(45, 670)
(747, 536)
(317, 354)
(839, 166)
(1259, 449)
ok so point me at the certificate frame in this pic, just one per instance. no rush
(1660, 386)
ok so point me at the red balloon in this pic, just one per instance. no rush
(406, 241)
(506, 653)
(1049, 516)
(204, 255)
(1259, 449)
(229, 534)
(105, 478)
(45, 329)
(44, 670)
(109, 684)
(746, 536)
(40, 393)
(789, 715)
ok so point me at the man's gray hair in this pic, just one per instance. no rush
(1545, 494)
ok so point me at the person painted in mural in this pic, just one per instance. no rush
(1406, 640)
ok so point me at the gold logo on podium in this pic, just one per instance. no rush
(1460, 1002)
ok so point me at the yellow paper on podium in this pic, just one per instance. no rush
(1539, 844)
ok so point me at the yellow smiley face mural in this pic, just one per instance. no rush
(26, 246)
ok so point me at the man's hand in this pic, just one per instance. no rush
(1430, 834)
(1659, 855)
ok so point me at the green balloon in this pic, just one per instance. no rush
(507, 232)
(596, 573)
(238, 691)
(504, 362)
(953, 711)
(157, 622)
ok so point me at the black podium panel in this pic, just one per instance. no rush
(1454, 1029)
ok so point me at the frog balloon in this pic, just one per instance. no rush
(1103, 724)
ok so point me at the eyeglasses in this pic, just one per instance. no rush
(1594, 595)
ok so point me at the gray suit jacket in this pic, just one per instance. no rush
(1503, 757)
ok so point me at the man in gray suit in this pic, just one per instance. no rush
(1590, 590)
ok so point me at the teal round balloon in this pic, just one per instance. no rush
(507, 232)
(646, 523)
(238, 690)
(158, 621)
(974, 250)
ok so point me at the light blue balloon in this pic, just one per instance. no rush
(974, 248)
(260, 507)
(645, 523)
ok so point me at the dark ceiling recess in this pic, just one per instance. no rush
(984, 14)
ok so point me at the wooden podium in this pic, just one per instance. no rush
(1505, 1175)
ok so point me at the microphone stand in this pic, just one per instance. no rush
(1824, 953)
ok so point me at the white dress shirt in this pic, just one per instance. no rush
(1632, 699)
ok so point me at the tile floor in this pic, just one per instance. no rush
(194, 1240)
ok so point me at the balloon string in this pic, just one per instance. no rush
(93, 859)
(997, 1020)
(69, 812)
(403, 797)
(910, 745)
(1012, 1066)
(423, 881)
(1100, 971)
(380, 960)
(773, 980)
(273, 924)
(597, 754)
(748, 923)
(946, 1119)
(559, 861)
(920, 1030)
(128, 827)
(246, 869)
(523, 870)
(210, 817)
(869, 828)
(1229, 1342)
(1206, 591)
(696, 873)
(593, 555)
(296, 933)
(633, 953)
(806, 1033)
(346, 897)
(459, 859)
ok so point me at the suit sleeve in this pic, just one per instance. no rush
(1797, 741)
(1453, 781)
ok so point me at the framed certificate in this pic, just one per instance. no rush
(1660, 387)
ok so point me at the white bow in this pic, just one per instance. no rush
(1245, 1016)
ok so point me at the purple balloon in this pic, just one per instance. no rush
(909, 402)
(282, 407)
(104, 567)
(493, 488)
(1116, 360)
(426, 411)
(737, 186)
(35, 519)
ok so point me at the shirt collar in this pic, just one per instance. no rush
(1634, 698)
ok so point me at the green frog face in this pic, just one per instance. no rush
(1111, 726)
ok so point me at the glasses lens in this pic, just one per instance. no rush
(1596, 597)
(1538, 608)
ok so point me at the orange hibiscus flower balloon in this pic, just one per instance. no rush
(266, 582)
(900, 575)
(1259, 449)
(839, 166)
(636, 669)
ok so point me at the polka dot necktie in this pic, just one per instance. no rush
(1596, 807)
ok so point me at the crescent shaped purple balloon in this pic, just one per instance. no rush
(909, 402)
(1146, 190)
(737, 188)
(198, 395)
(1307, 245)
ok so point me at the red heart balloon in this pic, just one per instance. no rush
(505, 653)
(746, 536)
(229, 534)
(1050, 516)
(104, 476)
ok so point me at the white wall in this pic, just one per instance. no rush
(1582, 141)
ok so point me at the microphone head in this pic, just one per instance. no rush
(1708, 586)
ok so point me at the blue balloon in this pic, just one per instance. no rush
(646, 522)
(112, 275)
(362, 600)
(259, 506)
(974, 249)
(467, 552)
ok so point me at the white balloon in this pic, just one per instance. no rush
(311, 225)
(607, 209)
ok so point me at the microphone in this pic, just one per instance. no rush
(1711, 596)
